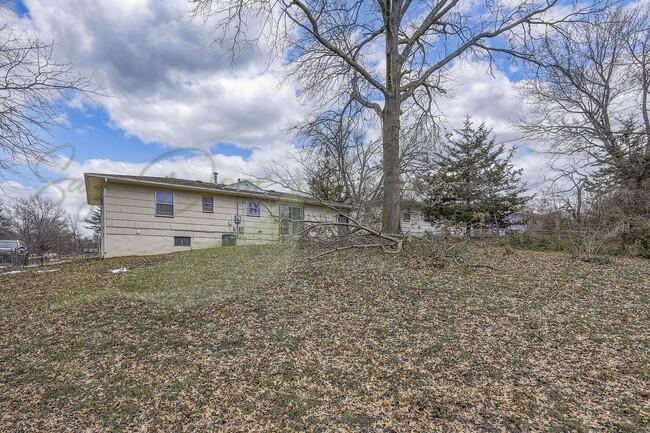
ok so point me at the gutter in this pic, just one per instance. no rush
(223, 191)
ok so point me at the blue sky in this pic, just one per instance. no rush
(177, 106)
(90, 135)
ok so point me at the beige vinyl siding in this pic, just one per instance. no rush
(132, 228)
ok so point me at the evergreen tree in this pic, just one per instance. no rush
(627, 162)
(325, 182)
(5, 224)
(472, 181)
(94, 221)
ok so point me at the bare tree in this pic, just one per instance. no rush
(589, 99)
(341, 138)
(589, 96)
(388, 56)
(40, 223)
(340, 156)
(75, 234)
(33, 85)
(570, 187)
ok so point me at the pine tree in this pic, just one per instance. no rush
(5, 224)
(325, 182)
(94, 221)
(473, 181)
(627, 163)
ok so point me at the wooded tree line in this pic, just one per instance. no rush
(374, 72)
(44, 227)
(587, 89)
(586, 84)
(589, 100)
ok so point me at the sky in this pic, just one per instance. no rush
(174, 103)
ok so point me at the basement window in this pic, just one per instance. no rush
(182, 241)
(164, 203)
(208, 204)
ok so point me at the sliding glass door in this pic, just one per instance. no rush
(291, 220)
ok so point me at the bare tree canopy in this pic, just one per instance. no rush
(590, 94)
(338, 141)
(33, 85)
(39, 222)
(391, 57)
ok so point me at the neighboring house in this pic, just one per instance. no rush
(518, 223)
(152, 215)
(414, 223)
(412, 220)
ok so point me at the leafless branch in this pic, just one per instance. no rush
(33, 85)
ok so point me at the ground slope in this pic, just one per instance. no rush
(260, 339)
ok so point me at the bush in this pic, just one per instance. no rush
(636, 238)
(641, 241)
(528, 241)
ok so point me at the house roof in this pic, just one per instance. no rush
(95, 182)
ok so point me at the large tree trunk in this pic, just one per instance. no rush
(392, 187)
(391, 122)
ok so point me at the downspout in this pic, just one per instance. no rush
(238, 223)
(104, 218)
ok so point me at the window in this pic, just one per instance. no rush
(182, 241)
(252, 208)
(291, 220)
(208, 204)
(164, 203)
(406, 217)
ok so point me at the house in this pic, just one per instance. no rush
(144, 215)
(414, 222)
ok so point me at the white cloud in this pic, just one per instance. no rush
(491, 97)
(13, 189)
(170, 84)
(486, 97)
(250, 112)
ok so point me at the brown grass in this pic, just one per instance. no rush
(362, 343)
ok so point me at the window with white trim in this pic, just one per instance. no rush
(164, 203)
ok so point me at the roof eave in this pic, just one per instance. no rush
(224, 191)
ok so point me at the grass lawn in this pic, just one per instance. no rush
(260, 339)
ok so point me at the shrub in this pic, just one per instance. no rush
(643, 243)
(529, 241)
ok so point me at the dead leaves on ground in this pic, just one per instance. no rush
(369, 343)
